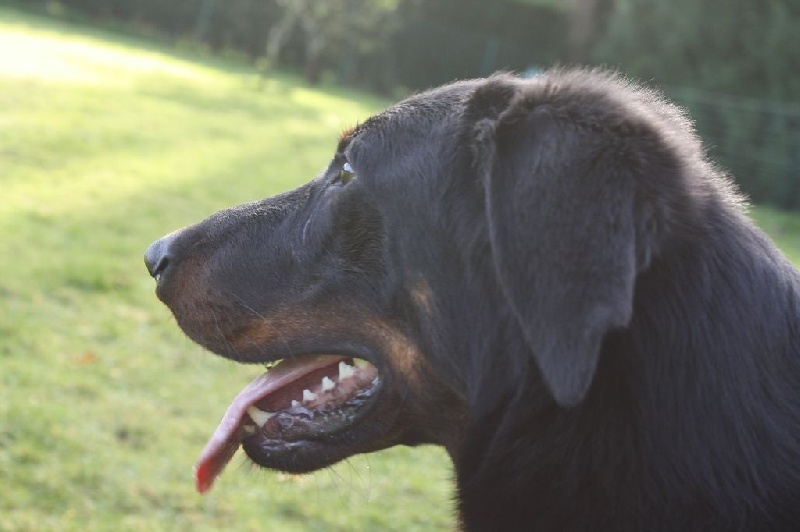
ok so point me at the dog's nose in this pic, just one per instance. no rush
(157, 257)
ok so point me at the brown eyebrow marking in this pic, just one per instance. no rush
(347, 135)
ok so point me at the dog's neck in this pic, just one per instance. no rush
(584, 468)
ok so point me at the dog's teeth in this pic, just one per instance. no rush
(327, 384)
(259, 416)
(270, 365)
(295, 403)
(360, 363)
(249, 429)
(308, 396)
(345, 370)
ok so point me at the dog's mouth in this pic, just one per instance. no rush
(295, 402)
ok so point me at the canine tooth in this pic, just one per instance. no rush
(345, 370)
(259, 416)
(308, 395)
(250, 429)
(270, 365)
(327, 384)
(360, 363)
(295, 403)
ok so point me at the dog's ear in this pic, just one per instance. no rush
(559, 203)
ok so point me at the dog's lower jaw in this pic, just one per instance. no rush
(296, 440)
(374, 431)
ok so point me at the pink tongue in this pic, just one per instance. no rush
(229, 434)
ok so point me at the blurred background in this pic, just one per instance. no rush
(122, 120)
(734, 63)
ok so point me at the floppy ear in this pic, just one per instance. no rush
(560, 210)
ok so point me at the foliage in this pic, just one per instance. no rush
(106, 144)
(348, 28)
(731, 63)
(758, 141)
(442, 40)
(737, 47)
(382, 45)
(709, 54)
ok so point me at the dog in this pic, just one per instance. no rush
(545, 276)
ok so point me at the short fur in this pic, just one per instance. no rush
(557, 286)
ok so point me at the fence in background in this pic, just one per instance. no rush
(758, 141)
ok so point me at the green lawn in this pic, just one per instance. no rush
(783, 227)
(105, 145)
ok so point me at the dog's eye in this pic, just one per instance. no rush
(346, 174)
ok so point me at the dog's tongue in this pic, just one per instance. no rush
(229, 434)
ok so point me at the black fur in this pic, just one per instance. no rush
(596, 332)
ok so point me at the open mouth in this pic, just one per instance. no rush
(296, 400)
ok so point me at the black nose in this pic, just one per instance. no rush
(157, 256)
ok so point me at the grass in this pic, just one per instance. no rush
(783, 227)
(107, 143)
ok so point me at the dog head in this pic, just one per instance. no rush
(471, 245)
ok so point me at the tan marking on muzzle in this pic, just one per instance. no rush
(398, 349)
(284, 326)
(269, 330)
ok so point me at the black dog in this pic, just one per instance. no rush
(548, 278)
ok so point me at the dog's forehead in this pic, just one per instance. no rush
(417, 114)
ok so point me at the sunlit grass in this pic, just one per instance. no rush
(105, 145)
(45, 56)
